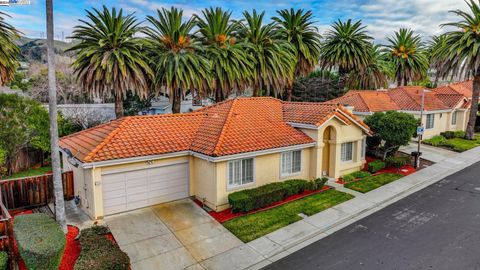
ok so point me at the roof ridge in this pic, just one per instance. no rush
(108, 138)
(225, 124)
(406, 93)
(364, 102)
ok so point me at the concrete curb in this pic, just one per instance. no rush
(411, 184)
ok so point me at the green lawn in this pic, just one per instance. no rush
(455, 144)
(373, 182)
(253, 226)
(31, 172)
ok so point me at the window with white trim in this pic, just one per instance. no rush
(364, 148)
(240, 172)
(291, 162)
(430, 121)
(347, 151)
(454, 118)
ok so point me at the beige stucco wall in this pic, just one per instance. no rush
(266, 170)
(203, 180)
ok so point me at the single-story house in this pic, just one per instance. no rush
(445, 108)
(137, 161)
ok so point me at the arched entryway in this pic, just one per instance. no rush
(328, 151)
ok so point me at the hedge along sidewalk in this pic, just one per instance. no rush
(278, 244)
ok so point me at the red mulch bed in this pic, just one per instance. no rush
(227, 214)
(72, 247)
(405, 170)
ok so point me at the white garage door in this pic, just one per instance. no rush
(140, 188)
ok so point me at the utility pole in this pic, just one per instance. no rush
(420, 130)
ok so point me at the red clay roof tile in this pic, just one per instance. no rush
(230, 127)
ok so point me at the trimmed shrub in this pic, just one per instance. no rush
(320, 182)
(460, 134)
(436, 141)
(448, 134)
(3, 260)
(397, 162)
(348, 178)
(99, 253)
(267, 194)
(360, 174)
(376, 166)
(240, 201)
(40, 241)
(295, 186)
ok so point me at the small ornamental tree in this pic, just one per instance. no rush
(393, 128)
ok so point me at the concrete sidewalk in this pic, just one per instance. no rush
(276, 245)
(430, 153)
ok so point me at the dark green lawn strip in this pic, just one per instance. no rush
(373, 182)
(253, 226)
(31, 172)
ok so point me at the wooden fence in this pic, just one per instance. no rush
(33, 191)
(6, 235)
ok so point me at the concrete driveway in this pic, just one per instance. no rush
(175, 235)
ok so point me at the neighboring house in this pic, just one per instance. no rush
(138, 161)
(162, 105)
(446, 108)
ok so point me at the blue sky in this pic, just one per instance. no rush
(382, 17)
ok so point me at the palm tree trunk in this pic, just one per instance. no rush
(176, 100)
(52, 105)
(470, 134)
(118, 106)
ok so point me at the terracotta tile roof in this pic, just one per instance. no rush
(406, 98)
(231, 127)
(463, 88)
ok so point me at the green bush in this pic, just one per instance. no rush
(348, 178)
(436, 141)
(240, 201)
(295, 186)
(99, 253)
(460, 134)
(376, 166)
(3, 260)
(40, 241)
(251, 199)
(320, 182)
(397, 162)
(448, 134)
(360, 174)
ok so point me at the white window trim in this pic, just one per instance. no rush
(454, 113)
(426, 121)
(237, 187)
(293, 173)
(363, 150)
(353, 152)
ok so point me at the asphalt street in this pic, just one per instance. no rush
(435, 228)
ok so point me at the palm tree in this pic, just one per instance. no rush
(232, 67)
(52, 110)
(298, 29)
(9, 52)
(109, 59)
(347, 46)
(406, 51)
(435, 48)
(375, 75)
(460, 55)
(176, 56)
(274, 57)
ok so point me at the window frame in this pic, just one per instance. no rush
(363, 150)
(352, 152)
(282, 174)
(234, 186)
(454, 117)
(427, 126)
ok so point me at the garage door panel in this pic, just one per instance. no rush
(167, 190)
(141, 188)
